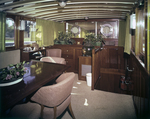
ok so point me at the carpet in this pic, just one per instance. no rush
(96, 104)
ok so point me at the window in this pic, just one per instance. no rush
(29, 28)
(10, 32)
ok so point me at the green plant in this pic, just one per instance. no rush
(99, 38)
(13, 72)
(64, 37)
(90, 37)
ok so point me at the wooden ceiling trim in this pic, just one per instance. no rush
(45, 11)
(49, 9)
(82, 12)
(42, 6)
(4, 1)
(82, 17)
(20, 4)
(81, 9)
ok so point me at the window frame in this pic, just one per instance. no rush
(11, 47)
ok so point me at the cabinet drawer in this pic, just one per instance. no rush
(67, 56)
(70, 63)
(67, 51)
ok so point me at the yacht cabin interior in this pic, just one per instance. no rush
(109, 39)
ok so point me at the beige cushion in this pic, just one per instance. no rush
(54, 95)
(48, 113)
(53, 52)
(54, 60)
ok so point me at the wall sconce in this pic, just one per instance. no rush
(62, 3)
(133, 21)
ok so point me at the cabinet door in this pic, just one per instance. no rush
(70, 63)
(78, 52)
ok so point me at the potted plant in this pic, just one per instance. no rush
(64, 38)
(99, 40)
(88, 44)
(90, 38)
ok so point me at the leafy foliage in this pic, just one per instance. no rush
(91, 38)
(13, 71)
(64, 37)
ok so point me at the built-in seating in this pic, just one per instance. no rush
(54, 99)
(9, 57)
(58, 60)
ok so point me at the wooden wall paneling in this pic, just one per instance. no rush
(112, 67)
(141, 87)
(113, 58)
(104, 58)
(21, 39)
(95, 67)
(121, 60)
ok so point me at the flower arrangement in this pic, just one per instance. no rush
(13, 72)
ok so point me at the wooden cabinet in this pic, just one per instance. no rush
(84, 67)
(28, 55)
(71, 54)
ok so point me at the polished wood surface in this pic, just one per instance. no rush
(95, 67)
(141, 91)
(83, 61)
(112, 67)
(38, 74)
(71, 54)
(28, 55)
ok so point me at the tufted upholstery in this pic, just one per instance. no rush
(53, 52)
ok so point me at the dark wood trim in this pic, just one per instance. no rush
(95, 67)
(141, 84)
(112, 71)
(89, 20)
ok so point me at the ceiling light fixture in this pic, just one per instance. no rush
(62, 3)
(86, 18)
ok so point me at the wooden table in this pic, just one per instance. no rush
(39, 74)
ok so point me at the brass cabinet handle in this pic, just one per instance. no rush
(67, 50)
(67, 55)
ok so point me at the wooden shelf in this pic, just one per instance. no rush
(28, 55)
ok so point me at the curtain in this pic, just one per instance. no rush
(122, 32)
(127, 45)
(59, 27)
(83, 32)
(44, 32)
(2, 31)
(17, 31)
(139, 31)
